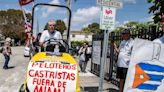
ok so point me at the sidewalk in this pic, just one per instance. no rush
(90, 82)
(1, 57)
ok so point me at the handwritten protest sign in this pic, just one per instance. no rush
(146, 69)
(51, 77)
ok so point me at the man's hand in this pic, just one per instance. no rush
(115, 47)
(42, 44)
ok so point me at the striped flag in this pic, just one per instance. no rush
(148, 76)
(28, 27)
(24, 2)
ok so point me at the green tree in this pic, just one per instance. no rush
(86, 30)
(60, 26)
(157, 9)
(46, 27)
(118, 29)
(92, 28)
(12, 23)
(133, 26)
(136, 25)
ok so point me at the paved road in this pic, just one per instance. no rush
(11, 79)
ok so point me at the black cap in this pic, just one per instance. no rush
(126, 31)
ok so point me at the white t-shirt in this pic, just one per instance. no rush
(125, 53)
(159, 40)
(82, 49)
(46, 36)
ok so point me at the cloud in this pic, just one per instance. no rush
(146, 19)
(86, 25)
(36, 9)
(130, 1)
(49, 10)
(118, 24)
(150, 18)
(127, 21)
(85, 16)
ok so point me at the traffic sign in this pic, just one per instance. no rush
(107, 20)
(110, 3)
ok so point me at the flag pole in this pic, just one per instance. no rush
(24, 15)
(31, 37)
(25, 20)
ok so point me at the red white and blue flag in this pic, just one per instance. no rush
(25, 2)
(28, 27)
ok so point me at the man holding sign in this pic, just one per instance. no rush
(146, 69)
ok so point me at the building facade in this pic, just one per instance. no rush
(79, 36)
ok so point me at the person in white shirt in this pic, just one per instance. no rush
(124, 53)
(84, 52)
(50, 33)
(161, 39)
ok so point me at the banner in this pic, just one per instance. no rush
(24, 2)
(146, 69)
(51, 77)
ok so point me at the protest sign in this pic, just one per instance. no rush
(146, 69)
(51, 77)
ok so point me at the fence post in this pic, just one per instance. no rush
(153, 32)
(111, 55)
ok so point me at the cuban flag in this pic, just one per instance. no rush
(148, 76)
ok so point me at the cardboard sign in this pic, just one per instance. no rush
(146, 69)
(51, 77)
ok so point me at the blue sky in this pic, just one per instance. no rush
(85, 12)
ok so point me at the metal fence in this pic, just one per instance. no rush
(110, 65)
